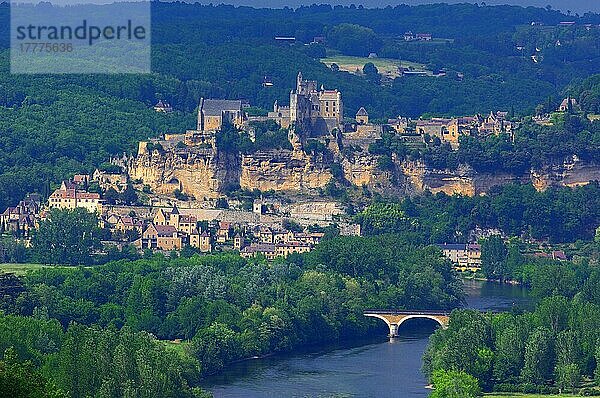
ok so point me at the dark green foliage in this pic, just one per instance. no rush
(129, 195)
(22, 379)
(231, 308)
(453, 384)
(533, 146)
(291, 225)
(371, 73)
(555, 345)
(67, 237)
(588, 94)
(43, 360)
(493, 258)
(353, 39)
(315, 147)
(386, 145)
(384, 217)
(54, 126)
(64, 125)
(269, 135)
(557, 214)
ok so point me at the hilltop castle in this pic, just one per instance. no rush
(312, 111)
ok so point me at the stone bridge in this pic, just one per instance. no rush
(395, 318)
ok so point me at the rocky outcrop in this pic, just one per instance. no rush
(573, 172)
(205, 172)
(422, 178)
(283, 170)
(464, 180)
(361, 169)
(198, 172)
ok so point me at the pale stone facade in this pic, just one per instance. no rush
(69, 197)
(315, 111)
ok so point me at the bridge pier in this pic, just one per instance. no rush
(393, 330)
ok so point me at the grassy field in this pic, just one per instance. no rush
(22, 269)
(387, 67)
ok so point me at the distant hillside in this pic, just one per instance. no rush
(51, 126)
(580, 6)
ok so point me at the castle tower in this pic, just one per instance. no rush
(293, 107)
(299, 81)
(200, 126)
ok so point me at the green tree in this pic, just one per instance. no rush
(23, 380)
(129, 196)
(568, 377)
(67, 237)
(454, 384)
(493, 258)
(353, 39)
(539, 357)
(465, 345)
(510, 349)
(215, 346)
(371, 73)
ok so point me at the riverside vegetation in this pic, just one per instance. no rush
(63, 326)
(555, 348)
(163, 323)
(200, 313)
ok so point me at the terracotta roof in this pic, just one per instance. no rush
(165, 230)
(74, 194)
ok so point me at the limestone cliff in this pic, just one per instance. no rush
(204, 172)
(283, 170)
(199, 172)
(466, 181)
(573, 172)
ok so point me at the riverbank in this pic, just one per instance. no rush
(367, 369)
(514, 395)
(479, 278)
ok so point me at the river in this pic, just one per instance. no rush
(374, 368)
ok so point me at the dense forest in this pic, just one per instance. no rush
(52, 126)
(553, 349)
(557, 214)
(64, 325)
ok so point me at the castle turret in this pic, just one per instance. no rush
(362, 116)
(200, 126)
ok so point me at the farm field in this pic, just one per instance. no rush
(22, 269)
(387, 67)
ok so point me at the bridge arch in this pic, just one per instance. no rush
(440, 320)
(394, 319)
(382, 317)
